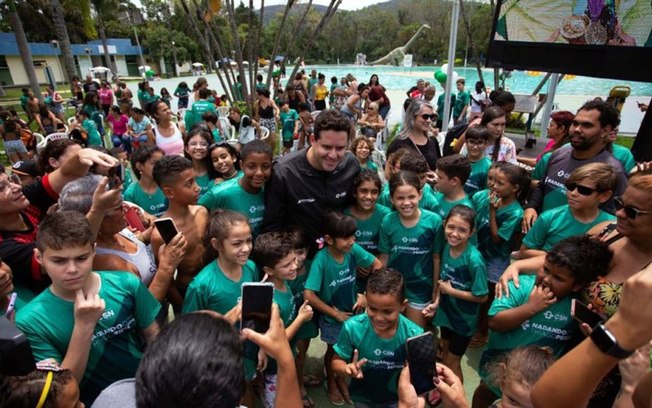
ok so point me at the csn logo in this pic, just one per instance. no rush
(525, 325)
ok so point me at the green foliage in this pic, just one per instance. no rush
(244, 108)
(158, 39)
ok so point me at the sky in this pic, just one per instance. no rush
(346, 4)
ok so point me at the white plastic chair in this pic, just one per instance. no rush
(223, 111)
(39, 138)
(264, 133)
(71, 120)
(47, 139)
(228, 129)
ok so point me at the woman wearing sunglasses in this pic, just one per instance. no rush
(414, 134)
(629, 240)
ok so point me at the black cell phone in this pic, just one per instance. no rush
(256, 305)
(115, 176)
(166, 228)
(421, 359)
(583, 314)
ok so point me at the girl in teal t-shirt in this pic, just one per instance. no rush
(196, 149)
(462, 288)
(368, 216)
(410, 243)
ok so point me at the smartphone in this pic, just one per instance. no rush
(166, 228)
(581, 313)
(421, 359)
(133, 219)
(256, 305)
(12, 305)
(114, 180)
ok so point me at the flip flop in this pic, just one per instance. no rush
(307, 402)
(336, 402)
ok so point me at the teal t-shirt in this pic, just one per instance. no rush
(468, 273)
(182, 92)
(212, 290)
(194, 114)
(116, 348)
(23, 101)
(411, 251)
(234, 197)
(154, 204)
(334, 282)
(445, 205)
(309, 329)
(478, 179)
(539, 171)
(385, 357)
(508, 219)
(441, 104)
(204, 182)
(368, 233)
(558, 224)
(288, 121)
(463, 99)
(551, 327)
(94, 138)
(288, 312)
(624, 156)
(428, 200)
(370, 165)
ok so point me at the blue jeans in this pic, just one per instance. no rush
(383, 111)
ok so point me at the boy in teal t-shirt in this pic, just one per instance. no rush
(370, 349)
(275, 257)
(118, 309)
(246, 195)
(198, 108)
(461, 103)
(476, 140)
(587, 188)
(89, 128)
(452, 173)
(290, 125)
(538, 311)
(146, 193)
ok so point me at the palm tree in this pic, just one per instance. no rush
(102, 8)
(23, 48)
(64, 40)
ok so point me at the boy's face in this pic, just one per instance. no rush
(384, 311)
(301, 254)
(475, 148)
(285, 269)
(579, 201)
(502, 186)
(491, 178)
(445, 185)
(68, 267)
(147, 167)
(285, 107)
(184, 190)
(256, 168)
(460, 86)
(558, 279)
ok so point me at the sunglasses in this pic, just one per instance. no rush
(630, 212)
(583, 190)
(426, 116)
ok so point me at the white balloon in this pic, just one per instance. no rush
(444, 68)
(455, 77)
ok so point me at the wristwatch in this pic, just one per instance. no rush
(607, 342)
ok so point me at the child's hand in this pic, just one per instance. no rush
(540, 298)
(171, 254)
(88, 308)
(233, 315)
(360, 304)
(510, 274)
(529, 217)
(262, 361)
(445, 287)
(305, 312)
(341, 316)
(363, 272)
(429, 311)
(495, 202)
(354, 368)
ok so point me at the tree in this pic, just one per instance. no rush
(23, 48)
(64, 41)
(102, 9)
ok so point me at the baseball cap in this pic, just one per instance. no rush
(25, 168)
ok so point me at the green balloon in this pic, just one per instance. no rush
(440, 76)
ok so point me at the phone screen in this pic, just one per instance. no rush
(421, 360)
(256, 306)
(583, 314)
(166, 228)
(113, 180)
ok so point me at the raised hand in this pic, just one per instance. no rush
(354, 368)
(88, 308)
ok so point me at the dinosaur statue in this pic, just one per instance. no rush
(395, 57)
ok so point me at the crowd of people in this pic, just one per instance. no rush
(455, 234)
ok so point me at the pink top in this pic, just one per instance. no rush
(106, 96)
(119, 124)
(171, 145)
(546, 149)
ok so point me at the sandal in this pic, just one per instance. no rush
(333, 397)
(307, 402)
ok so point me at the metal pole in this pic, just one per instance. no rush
(455, 16)
(547, 108)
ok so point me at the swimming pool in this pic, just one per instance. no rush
(520, 82)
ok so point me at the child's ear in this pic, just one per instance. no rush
(167, 191)
(215, 244)
(38, 256)
(577, 286)
(604, 196)
(328, 239)
(404, 305)
(268, 271)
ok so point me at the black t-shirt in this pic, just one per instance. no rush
(430, 150)
(17, 247)
(91, 87)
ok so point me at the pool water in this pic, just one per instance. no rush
(520, 82)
